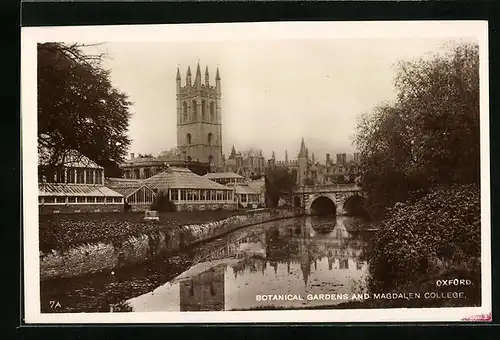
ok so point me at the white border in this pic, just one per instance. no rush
(248, 31)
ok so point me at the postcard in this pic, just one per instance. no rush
(256, 172)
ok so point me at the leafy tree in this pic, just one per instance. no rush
(79, 109)
(429, 135)
(278, 181)
(439, 230)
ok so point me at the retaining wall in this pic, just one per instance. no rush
(102, 256)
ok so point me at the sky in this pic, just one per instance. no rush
(273, 92)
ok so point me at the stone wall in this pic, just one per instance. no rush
(107, 256)
(79, 208)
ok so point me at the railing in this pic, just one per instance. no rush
(327, 188)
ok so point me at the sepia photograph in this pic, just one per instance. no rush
(257, 172)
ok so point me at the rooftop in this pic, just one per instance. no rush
(181, 178)
(222, 175)
(71, 158)
(125, 186)
(62, 189)
(246, 189)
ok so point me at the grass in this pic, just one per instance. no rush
(61, 231)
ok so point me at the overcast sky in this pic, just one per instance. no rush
(273, 92)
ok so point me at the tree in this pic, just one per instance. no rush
(79, 109)
(429, 135)
(278, 181)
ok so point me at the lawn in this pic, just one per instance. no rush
(65, 230)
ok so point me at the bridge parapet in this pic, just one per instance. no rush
(327, 188)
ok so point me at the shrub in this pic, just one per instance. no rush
(426, 234)
(163, 204)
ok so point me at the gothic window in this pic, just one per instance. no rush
(189, 159)
(210, 138)
(188, 138)
(203, 109)
(195, 108)
(184, 111)
(212, 111)
(210, 159)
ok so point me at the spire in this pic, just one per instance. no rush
(217, 82)
(197, 80)
(274, 157)
(313, 160)
(233, 152)
(286, 156)
(303, 150)
(207, 77)
(188, 76)
(178, 74)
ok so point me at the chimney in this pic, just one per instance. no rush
(328, 159)
(132, 155)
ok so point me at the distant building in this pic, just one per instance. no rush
(77, 186)
(248, 193)
(248, 165)
(189, 191)
(341, 159)
(142, 167)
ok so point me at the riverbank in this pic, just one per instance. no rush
(121, 240)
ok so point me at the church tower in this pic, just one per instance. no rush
(199, 123)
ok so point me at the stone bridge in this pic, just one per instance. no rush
(324, 199)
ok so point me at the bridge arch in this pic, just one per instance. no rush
(355, 206)
(323, 206)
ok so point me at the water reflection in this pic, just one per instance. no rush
(279, 258)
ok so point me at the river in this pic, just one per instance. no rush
(292, 263)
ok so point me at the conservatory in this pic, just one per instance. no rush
(189, 191)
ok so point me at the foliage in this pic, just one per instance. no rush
(429, 136)
(163, 204)
(78, 108)
(277, 181)
(424, 235)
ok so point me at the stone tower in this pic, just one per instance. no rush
(303, 159)
(199, 123)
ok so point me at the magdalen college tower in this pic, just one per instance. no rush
(199, 124)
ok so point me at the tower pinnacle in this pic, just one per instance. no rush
(197, 80)
(188, 76)
(207, 77)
